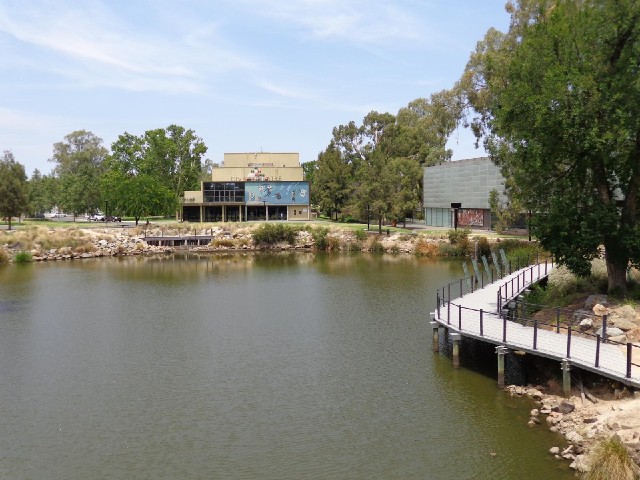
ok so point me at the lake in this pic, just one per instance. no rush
(247, 366)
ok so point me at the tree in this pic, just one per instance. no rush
(42, 193)
(13, 187)
(79, 169)
(175, 156)
(332, 181)
(131, 184)
(559, 99)
(405, 178)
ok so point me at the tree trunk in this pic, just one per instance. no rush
(380, 224)
(9, 222)
(616, 274)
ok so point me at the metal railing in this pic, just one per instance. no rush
(474, 321)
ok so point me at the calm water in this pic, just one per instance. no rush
(286, 366)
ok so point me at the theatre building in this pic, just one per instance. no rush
(250, 186)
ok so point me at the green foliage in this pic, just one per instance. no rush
(459, 237)
(376, 246)
(273, 233)
(610, 459)
(320, 235)
(505, 213)
(360, 234)
(484, 247)
(558, 101)
(79, 167)
(23, 257)
(13, 187)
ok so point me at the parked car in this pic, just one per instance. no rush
(113, 218)
(98, 217)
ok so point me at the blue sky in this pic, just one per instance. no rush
(246, 75)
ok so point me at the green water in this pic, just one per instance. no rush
(260, 366)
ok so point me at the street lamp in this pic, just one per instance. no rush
(266, 216)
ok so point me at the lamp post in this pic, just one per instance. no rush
(266, 213)
(368, 217)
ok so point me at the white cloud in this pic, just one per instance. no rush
(94, 44)
(373, 22)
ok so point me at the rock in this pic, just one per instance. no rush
(554, 450)
(586, 324)
(574, 437)
(626, 311)
(595, 299)
(611, 332)
(534, 420)
(600, 310)
(624, 324)
(535, 412)
(590, 420)
(536, 394)
(564, 408)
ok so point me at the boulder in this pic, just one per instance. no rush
(600, 310)
(624, 324)
(611, 332)
(593, 300)
(554, 450)
(586, 324)
(564, 408)
(626, 311)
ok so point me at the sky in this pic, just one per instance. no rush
(245, 75)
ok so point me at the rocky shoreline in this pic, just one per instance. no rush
(111, 242)
(584, 422)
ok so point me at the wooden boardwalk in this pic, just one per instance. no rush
(477, 315)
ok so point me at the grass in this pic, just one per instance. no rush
(610, 459)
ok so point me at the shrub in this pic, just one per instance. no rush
(333, 243)
(223, 242)
(4, 256)
(272, 233)
(376, 246)
(484, 248)
(319, 236)
(360, 234)
(611, 459)
(423, 248)
(23, 257)
(457, 237)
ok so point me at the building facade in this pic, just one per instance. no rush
(461, 188)
(250, 186)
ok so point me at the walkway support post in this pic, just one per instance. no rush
(566, 378)
(456, 337)
(435, 326)
(501, 351)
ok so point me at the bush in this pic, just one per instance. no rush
(484, 248)
(319, 236)
(457, 237)
(272, 233)
(423, 248)
(23, 257)
(4, 256)
(360, 234)
(611, 459)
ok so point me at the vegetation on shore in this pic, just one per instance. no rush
(610, 459)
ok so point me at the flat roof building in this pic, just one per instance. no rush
(250, 186)
(464, 182)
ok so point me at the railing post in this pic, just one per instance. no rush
(569, 341)
(598, 338)
(459, 317)
(449, 292)
(557, 319)
(481, 322)
(604, 329)
(629, 355)
(545, 266)
(448, 312)
(535, 334)
(438, 302)
(504, 329)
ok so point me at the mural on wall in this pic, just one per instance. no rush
(470, 217)
(277, 193)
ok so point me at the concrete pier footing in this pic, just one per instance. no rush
(566, 378)
(436, 336)
(456, 337)
(501, 351)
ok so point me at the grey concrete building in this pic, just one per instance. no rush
(466, 182)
